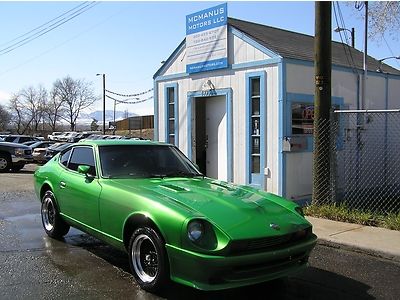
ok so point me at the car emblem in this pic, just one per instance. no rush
(274, 226)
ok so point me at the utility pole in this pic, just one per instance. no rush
(322, 101)
(104, 101)
(364, 81)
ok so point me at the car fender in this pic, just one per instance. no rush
(137, 219)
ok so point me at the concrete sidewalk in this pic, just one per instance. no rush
(372, 240)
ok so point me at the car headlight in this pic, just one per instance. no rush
(19, 151)
(195, 230)
(201, 234)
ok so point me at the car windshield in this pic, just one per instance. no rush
(145, 161)
(10, 138)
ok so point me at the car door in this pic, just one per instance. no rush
(78, 194)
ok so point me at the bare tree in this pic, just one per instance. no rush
(27, 109)
(19, 117)
(34, 102)
(75, 95)
(5, 118)
(384, 17)
(54, 109)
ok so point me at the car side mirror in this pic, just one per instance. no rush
(83, 169)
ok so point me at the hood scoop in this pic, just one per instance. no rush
(173, 188)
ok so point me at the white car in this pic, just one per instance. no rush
(54, 136)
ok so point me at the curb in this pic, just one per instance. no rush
(358, 249)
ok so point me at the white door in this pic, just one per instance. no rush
(216, 150)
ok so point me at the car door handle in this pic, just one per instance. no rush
(62, 185)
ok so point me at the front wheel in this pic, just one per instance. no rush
(5, 162)
(53, 224)
(148, 259)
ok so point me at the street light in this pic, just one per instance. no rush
(104, 101)
(339, 29)
(382, 59)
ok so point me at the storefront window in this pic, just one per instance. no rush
(302, 118)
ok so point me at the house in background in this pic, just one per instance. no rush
(233, 120)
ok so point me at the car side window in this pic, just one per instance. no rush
(65, 156)
(82, 156)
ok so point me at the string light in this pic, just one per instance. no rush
(130, 102)
(132, 95)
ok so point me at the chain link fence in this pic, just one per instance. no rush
(364, 161)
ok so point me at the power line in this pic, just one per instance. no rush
(390, 49)
(346, 47)
(22, 35)
(53, 26)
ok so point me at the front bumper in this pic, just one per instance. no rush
(22, 160)
(207, 272)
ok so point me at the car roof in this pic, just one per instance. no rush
(117, 142)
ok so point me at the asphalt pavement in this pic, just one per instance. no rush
(33, 266)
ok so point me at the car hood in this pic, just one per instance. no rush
(240, 211)
(15, 145)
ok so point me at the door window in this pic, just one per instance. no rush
(64, 157)
(82, 156)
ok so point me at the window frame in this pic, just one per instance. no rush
(175, 119)
(73, 148)
(256, 179)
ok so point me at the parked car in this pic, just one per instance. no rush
(93, 137)
(78, 137)
(28, 143)
(66, 136)
(148, 199)
(14, 156)
(14, 138)
(54, 136)
(42, 144)
(39, 150)
(54, 149)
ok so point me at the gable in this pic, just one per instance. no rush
(241, 49)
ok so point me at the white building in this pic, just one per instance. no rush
(233, 122)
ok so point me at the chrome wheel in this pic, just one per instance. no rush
(48, 214)
(144, 258)
(3, 163)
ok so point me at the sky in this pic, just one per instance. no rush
(128, 40)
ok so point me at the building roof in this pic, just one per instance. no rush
(294, 45)
(299, 46)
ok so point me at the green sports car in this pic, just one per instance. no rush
(149, 200)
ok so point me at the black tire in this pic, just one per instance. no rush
(5, 162)
(53, 224)
(16, 168)
(148, 259)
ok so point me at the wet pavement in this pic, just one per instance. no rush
(33, 266)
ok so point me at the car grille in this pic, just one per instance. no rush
(240, 247)
(27, 152)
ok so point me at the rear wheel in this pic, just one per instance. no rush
(53, 224)
(148, 259)
(5, 162)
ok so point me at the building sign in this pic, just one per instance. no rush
(207, 39)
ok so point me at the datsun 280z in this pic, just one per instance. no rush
(150, 200)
